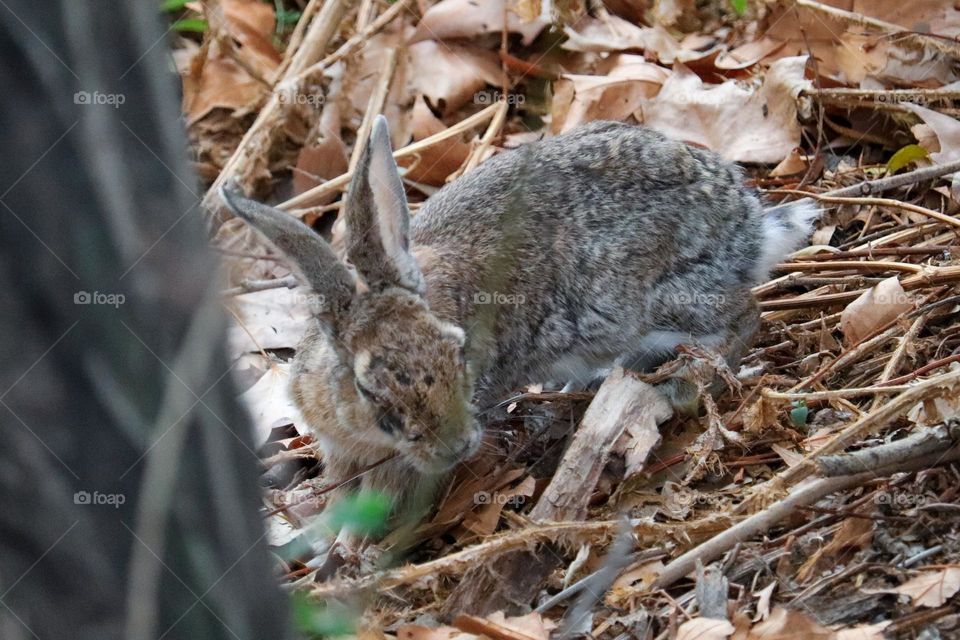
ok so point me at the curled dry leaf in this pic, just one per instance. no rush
(435, 163)
(215, 80)
(450, 75)
(850, 54)
(788, 624)
(864, 632)
(705, 629)
(931, 588)
(326, 157)
(790, 166)
(616, 34)
(946, 129)
(742, 122)
(874, 308)
(581, 98)
(467, 19)
(269, 402)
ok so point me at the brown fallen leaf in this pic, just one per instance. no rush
(788, 624)
(705, 629)
(467, 19)
(614, 96)
(931, 588)
(420, 632)
(324, 158)
(864, 632)
(215, 80)
(874, 308)
(435, 163)
(451, 75)
(790, 166)
(946, 129)
(253, 24)
(616, 34)
(741, 122)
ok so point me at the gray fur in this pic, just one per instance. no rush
(610, 243)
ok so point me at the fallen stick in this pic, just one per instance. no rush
(487, 551)
(800, 497)
(831, 197)
(880, 185)
(934, 387)
(512, 580)
(311, 196)
(922, 442)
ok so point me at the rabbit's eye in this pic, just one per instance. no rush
(390, 423)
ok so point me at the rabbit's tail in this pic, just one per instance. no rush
(785, 228)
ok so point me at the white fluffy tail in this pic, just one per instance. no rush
(786, 228)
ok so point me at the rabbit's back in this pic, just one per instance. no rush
(591, 242)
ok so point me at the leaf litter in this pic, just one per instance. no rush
(813, 98)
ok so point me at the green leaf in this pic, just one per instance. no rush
(365, 513)
(739, 6)
(190, 25)
(799, 413)
(287, 17)
(906, 155)
(169, 6)
(318, 619)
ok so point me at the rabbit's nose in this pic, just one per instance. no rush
(414, 435)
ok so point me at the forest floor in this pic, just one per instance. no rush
(817, 495)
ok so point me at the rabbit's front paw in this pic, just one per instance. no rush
(683, 395)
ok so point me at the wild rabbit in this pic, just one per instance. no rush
(610, 243)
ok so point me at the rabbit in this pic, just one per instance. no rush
(607, 244)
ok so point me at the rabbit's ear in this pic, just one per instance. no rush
(377, 218)
(308, 252)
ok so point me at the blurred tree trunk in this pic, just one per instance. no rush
(127, 479)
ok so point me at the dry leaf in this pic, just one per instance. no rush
(466, 19)
(789, 166)
(269, 401)
(931, 588)
(451, 75)
(579, 98)
(741, 122)
(705, 629)
(864, 632)
(875, 307)
(420, 632)
(947, 130)
(532, 625)
(616, 34)
(788, 624)
(435, 163)
(271, 319)
(763, 601)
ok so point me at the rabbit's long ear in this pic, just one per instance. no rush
(308, 252)
(377, 218)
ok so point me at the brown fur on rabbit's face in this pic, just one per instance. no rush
(412, 380)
